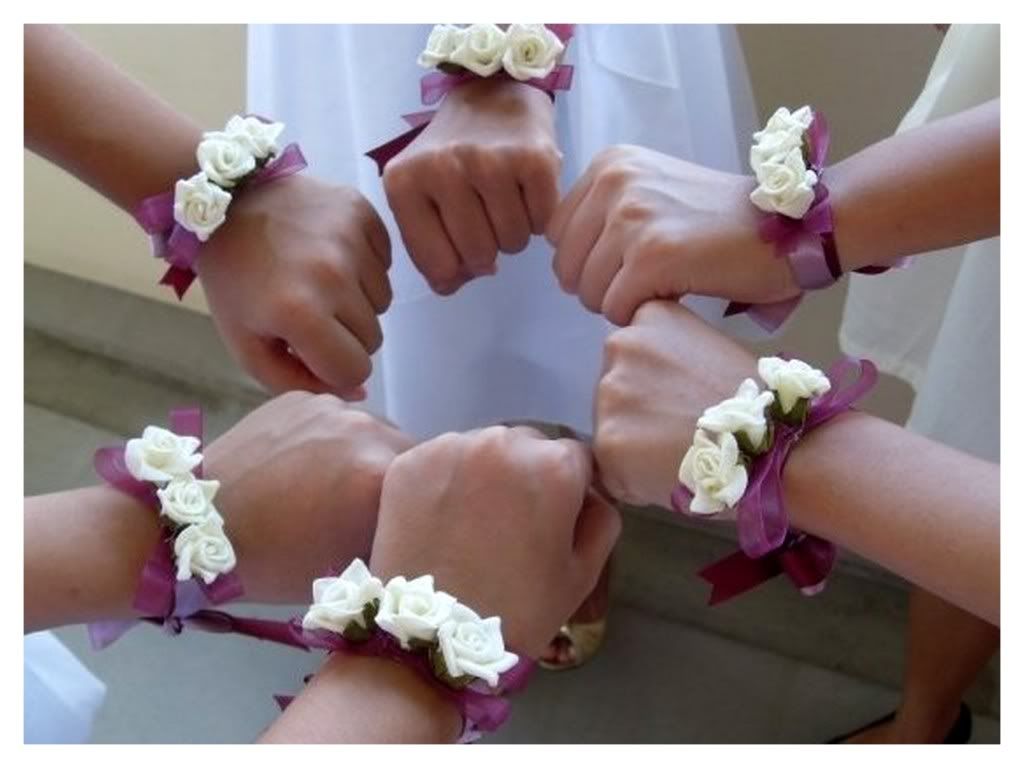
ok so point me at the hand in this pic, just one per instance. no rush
(640, 225)
(300, 482)
(295, 280)
(480, 178)
(503, 520)
(660, 374)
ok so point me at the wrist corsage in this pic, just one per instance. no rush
(192, 566)
(736, 460)
(788, 161)
(243, 155)
(408, 621)
(527, 53)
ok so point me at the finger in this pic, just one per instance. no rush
(465, 221)
(377, 235)
(356, 314)
(581, 461)
(540, 193)
(597, 529)
(278, 369)
(624, 299)
(375, 284)
(332, 353)
(581, 234)
(425, 238)
(565, 210)
(507, 213)
(602, 265)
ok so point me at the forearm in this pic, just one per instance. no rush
(922, 510)
(930, 188)
(85, 115)
(84, 550)
(365, 700)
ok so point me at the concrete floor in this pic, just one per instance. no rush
(767, 667)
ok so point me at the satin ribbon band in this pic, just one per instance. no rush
(178, 246)
(483, 710)
(768, 546)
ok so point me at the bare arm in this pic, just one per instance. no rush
(84, 550)
(93, 120)
(922, 510)
(933, 187)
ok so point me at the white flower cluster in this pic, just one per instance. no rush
(784, 182)
(714, 469)
(525, 51)
(225, 158)
(416, 615)
(167, 460)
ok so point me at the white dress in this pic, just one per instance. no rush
(62, 697)
(512, 346)
(936, 323)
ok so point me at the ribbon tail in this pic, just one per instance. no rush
(105, 633)
(383, 153)
(179, 279)
(283, 700)
(736, 573)
(808, 563)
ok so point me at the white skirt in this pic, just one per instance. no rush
(512, 346)
(62, 697)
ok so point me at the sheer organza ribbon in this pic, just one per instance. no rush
(761, 520)
(483, 709)
(807, 243)
(434, 86)
(180, 247)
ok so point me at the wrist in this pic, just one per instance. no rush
(367, 699)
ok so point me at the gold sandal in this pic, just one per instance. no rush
(579, 640)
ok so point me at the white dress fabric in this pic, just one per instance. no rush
(936, 323)
(512, 346)
(62, 697)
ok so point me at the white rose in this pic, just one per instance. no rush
(480, 50)
(188, 501)
(159, 455)
(200, 206)
(792, 380)
(796, 121)
(337, 602)
(258, 137)
(443, 40)
(474, 646)
(785, 185)
(532, 51)
(713, 473)
(203, 551)
(224, 159)
(412, 610)
(743, 412)
(772, 147)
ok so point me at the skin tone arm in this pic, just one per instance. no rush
(913, 506)
(297, 275)
(447, 509)
(640, 225)
(84, 549)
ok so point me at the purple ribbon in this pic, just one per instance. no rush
(180, 247)
(159, 597)
(482, 709)
(807, 560)
(434, 86)
(761, 520)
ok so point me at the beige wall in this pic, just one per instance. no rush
(862, 76)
